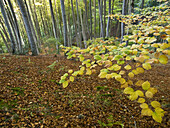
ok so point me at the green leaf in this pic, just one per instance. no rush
(97, 57)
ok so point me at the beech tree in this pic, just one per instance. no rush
(27, 21)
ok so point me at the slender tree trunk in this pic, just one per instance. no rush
(83, 29)
(86, 18)
(142, 5)
(132, 6)
(64, 22)
(26, 19)
(4, 30)
(57, 21)
(94, 18)
(37, 26)
(78, 22)
(69, 26)
(74, 24)
(54, 24)
(101, 18)
(8, 26)
(6, 43)
(17, 31)
(90, 19)
(104, 24)
(122, 24)
(108, 21)
(31, 23)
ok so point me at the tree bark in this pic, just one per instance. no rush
(16, 29)
(6, 43)
(90, 19)
(142, 5)
(101, 18)
(122, 24)
(54, 24)
(94, 18)
(8, 26)
(64, 22)
(78, 22)
(74, 24)
(108, 21)
(28, 27)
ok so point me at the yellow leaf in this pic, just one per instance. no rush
(157, 117)
(88, 65)
(114, 74)
(138, 64)
(82, 68)
(139, 83)
(65, 84)
(146, 66)
(125, 85)
(81, 72)
(160, 111)
(130, 82)
(133, 96)
(141, 100)
(88, 71)
(146, 85)
(122, 72)
(135, 72)
(128, 90)
(156, 55)
(122, 80)
(81, 58)
(155, 104)
(102, 75)
(128, 58)
(140, 70)
(144, 105)
(139, 93)
(163, 59)
(127, 67)
(130, 74)
(70, 71)
(116, 67)
(153, 90)
(118, 77)
(166, 52)
(147, 112)
(108, 76)
(154, 45)
(71, 78)
(149, 94)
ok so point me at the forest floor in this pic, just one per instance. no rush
(30, 96)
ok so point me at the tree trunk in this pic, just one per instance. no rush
(74, 24)
(101, 18)
(108, 21)
(16, 29)
(4, 30)
(104, 24)
(78, 22)
(132, 6)
(90, 19)
(6, 43)
(142, 5)
(54, 24)
(122, 24)
(64, 22)
(83, 30)
(28, 27)
(8, 26)
(94, 18)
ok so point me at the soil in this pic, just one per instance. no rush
(30, 96)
